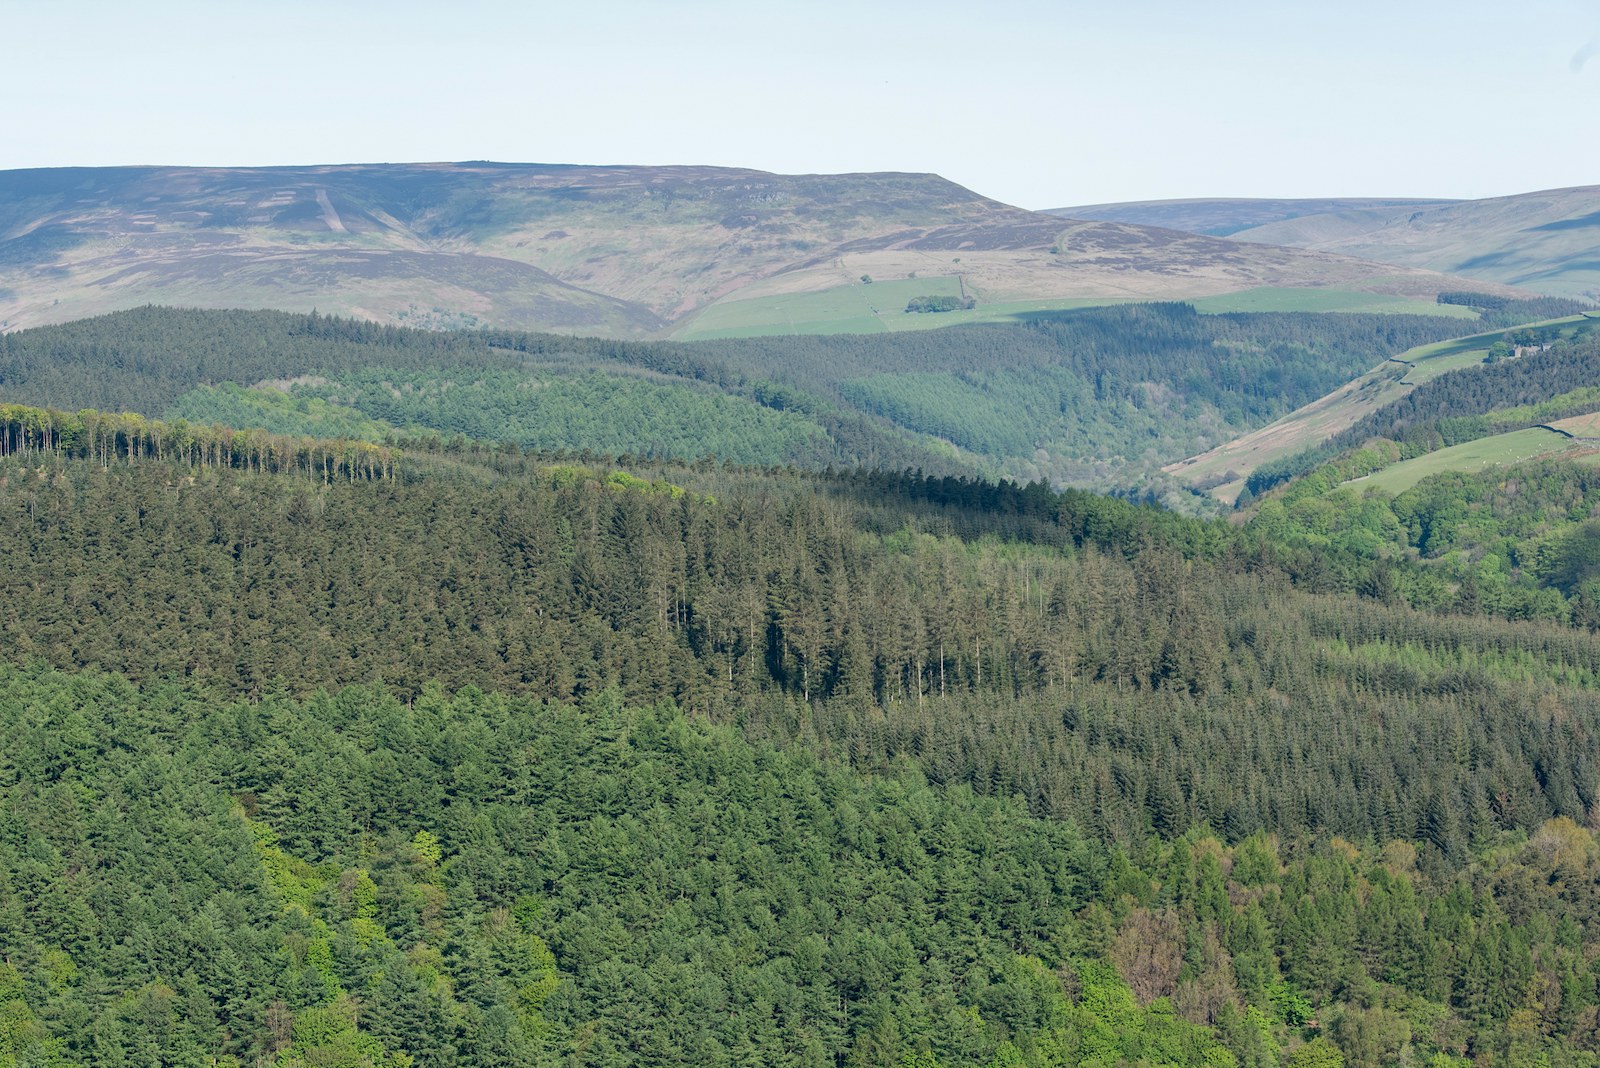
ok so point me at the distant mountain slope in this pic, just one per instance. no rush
(1224, 216)
(1547, 241)
(619, 251)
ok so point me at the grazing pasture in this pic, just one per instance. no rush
(862, 308)
(1501, 449)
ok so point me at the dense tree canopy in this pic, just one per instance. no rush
(1096, 397)
(476, 879)
(401, 748)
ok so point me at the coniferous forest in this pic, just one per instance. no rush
(346, 736)
(1099, 397)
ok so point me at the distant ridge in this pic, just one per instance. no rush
(602, 250)
(1547, 241)
(1224, 216)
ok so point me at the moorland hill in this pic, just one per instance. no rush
(1547, 241)
(617, 251)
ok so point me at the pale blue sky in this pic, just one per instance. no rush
(1037, 104)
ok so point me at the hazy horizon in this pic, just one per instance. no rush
(1036, 104)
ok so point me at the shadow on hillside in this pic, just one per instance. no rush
(39, 246)
(1049, 316)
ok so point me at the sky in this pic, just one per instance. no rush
(1033, 103)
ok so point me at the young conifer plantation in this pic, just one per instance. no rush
(401, 748)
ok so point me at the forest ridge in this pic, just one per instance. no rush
(724, 755)
(1095, 397)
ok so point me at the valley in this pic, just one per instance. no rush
(760, 588)
(771, 658)
(1096, 397)
(1224, 470)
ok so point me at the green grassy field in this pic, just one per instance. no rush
(1471, 456)
(1431, 361)
(1275, 298)
(879, 308)
(860, 309)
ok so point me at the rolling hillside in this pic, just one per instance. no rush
(1097, 396)
(1225, 216)
(1223, 470)
(1547, 241)
(615, 251)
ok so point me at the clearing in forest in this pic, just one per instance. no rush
(1471, 456)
